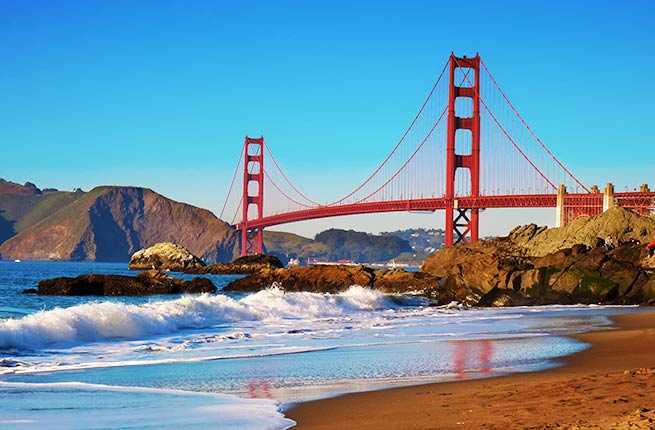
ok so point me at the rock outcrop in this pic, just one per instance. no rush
(403, 282)
(334, 279)
(318, 279)
(146, 283)
(165, 256)
(242, 265)
(532, 266)
(536, 265)
(615, 226)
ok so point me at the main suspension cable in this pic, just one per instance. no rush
(402, 139)
(288, 181)
(532, 133)
(229, 192)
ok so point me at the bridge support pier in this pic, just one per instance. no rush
(608, 197)
(462, 224)
(560, 211)
(252, 239)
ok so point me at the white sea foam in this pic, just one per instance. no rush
(46, 367)
(99, 321)
(205, 408)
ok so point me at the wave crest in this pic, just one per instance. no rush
(99, 321)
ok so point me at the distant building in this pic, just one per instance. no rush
(293, 262)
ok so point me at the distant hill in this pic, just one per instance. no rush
(23, 205)
(105, 224)
(361, 247)
(8, 187)
(285, 245)
(110, 223)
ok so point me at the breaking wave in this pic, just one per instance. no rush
(99, 321)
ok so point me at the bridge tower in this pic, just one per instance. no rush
(252, 239)
(462, 224)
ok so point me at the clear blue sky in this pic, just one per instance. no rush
(160, 94)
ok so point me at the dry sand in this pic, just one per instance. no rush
(608, 386)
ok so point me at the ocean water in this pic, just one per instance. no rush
(233, 361)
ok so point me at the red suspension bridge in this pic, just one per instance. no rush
(468, 148)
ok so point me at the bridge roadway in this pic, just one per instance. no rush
(634, 200)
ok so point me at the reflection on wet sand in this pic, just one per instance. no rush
(476, 354)
(259, 389)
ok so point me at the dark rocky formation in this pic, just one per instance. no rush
(335, 279)
(165, 256)
(403, 282)
(242, 265)
(486, 275)
(615, 226)
(611, 266)
(146, 283)
(536, 266)
(319, 279)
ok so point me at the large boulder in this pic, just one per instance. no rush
(146, 283)
(403, 282)
(499, 273)
(242, 265)
(615, 226)
(317, 279)
(165, 256)
(338, 278)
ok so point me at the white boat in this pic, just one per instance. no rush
(16, 261)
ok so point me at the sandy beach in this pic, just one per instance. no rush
(609, 385)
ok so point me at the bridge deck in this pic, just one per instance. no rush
(629, 199)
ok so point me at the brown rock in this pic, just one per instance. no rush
(400, 281)
(532, 266)
(618, 225)
(165, 256)
(335, 279)
(146, 283)
(318, 279)
(242, 265)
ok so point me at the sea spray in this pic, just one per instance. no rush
(100, 321)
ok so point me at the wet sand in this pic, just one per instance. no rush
(608, 386)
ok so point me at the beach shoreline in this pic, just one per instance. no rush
(611, 384)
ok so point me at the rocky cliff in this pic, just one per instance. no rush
(600, 259)
(110, 224)
(615, 226)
